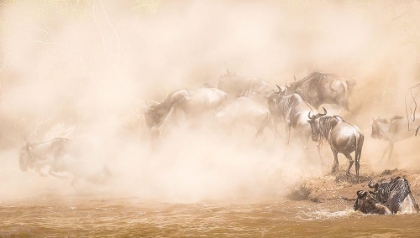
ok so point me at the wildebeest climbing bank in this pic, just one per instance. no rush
(151, 118)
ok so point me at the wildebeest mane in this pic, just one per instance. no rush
(327, 123)
(288, 102)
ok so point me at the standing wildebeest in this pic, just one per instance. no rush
(343, 138)
(60, 155)
(318, 88)
(236, 86)
(293, 110)
(245, 111)
(189, 102)
(393, 130)
(394, 195)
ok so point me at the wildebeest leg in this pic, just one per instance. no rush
(273, 126)
(391, 148)
(288, 134)
(386, 150)
(40, 172)
(304, 138)
(351, 161)
(358, 154)
(263, 124)
(319, 151)
(335, 166)
(52, 173)
(345, 105)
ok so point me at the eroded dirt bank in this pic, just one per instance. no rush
(331, 188)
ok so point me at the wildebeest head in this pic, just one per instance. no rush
(273, 98)
(155, 113)
(228, 75)
(367, 203)
(314, 122)
(377, 128)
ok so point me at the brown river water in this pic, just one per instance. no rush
(47, 216)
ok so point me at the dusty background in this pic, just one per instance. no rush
(84, 69)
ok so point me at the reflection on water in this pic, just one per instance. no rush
(131, 217)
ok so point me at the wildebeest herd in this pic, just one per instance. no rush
(253, 101)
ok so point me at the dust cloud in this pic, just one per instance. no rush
(83, 69)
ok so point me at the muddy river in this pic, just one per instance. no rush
(49, 216)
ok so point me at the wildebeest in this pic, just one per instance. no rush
(367, 203)
(60, 156)
(318, 88)
(343, 138)
(244, 110)
(394, 195)
(236, 86)
(188, 102)
(293, 110)
(393, 130)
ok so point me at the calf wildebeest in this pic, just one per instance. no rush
(245, 111)
(394, 195)
(343, 138)
(318, 88)
(189, 102)
(236, 86)
(393, 130)
(293, 110)
(60, 156)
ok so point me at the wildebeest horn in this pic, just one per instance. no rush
(294, 77)
(309, 115)
(323, 114)
(361, 193)
(372, 185)
(280, 90)
(147, 102)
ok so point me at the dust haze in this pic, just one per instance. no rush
(83, 69)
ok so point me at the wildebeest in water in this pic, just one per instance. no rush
(343, 138)
(394, 129)
(60, 156)
(388, 197)
(318, 88)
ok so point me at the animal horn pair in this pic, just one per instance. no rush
(317, 115)
(280, 90)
